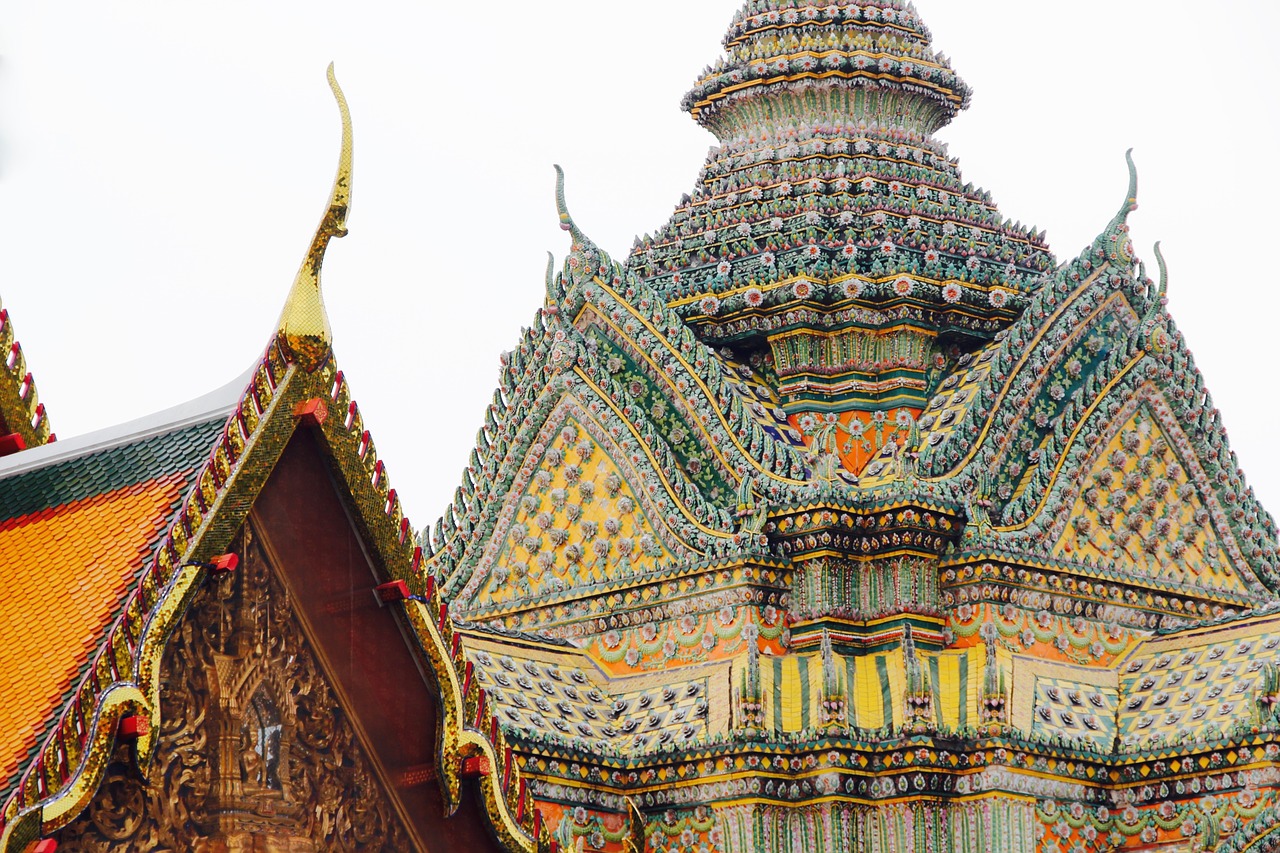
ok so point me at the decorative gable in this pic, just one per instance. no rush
(1139, 505)
(578, 522)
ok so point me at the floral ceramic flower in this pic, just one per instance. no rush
(768, 259)
(888, 248)
(998, 298)
(803, 289)
(723, 268)
(951, 293)
(709, 305)
(903, 286)
(754, 298)
(853, 287)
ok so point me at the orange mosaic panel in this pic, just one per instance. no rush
(65, 571)
(859, 436)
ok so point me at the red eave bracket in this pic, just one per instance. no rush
(11, 443)
(389, 593)
(475, 767)
(225, 563)
(133, 727)
(311, 412)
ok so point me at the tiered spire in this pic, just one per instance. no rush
(881, 47)
(829, 204)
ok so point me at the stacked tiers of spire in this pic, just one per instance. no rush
(828, 202)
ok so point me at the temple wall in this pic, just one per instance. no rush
(995, 825)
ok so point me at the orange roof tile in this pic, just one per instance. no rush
(65, 572)
(77, 521)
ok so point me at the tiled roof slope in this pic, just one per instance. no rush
(74, 534)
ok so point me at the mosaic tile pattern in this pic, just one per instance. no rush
(1076, 711)
(543, 699)
(1181, 690)
(1138, 506)
(578, 523)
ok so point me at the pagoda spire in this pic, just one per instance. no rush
(882, 49)
(304, 329)
(831, 235)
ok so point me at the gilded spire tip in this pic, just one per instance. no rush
(304, 323)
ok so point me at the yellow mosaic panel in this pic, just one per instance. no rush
(1076, 711)
(956, 394)
(549, 695)
(1187, 686)
(1138, 507)
(578, 523)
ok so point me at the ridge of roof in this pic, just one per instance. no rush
(218, 402)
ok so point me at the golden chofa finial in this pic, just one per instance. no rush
(304, 326)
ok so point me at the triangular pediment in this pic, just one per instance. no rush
(581, 517)
(1139, 505)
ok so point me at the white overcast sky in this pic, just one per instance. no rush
(163, 165)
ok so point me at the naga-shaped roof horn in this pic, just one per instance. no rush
(304, 325)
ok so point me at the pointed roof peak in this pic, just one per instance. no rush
(304, 327)
(1131, 199)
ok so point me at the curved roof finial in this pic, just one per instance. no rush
(566, 221)
(304, 324)
(1164, 274)
(1131, 200)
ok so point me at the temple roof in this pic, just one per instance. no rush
(105, 538)
(828, 193)
(81, 519)
(1089, 439)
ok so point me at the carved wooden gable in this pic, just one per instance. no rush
(256, 752)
